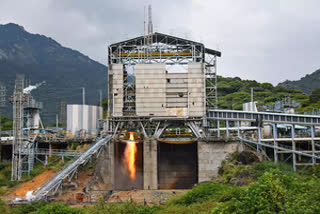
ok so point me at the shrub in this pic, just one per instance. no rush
(57, 208)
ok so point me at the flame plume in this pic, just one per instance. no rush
(130, 156)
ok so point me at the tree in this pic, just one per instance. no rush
(315, 96)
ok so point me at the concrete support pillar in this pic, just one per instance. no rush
(259, 138)
(150, 163)
(227, 128)
(50, 149)
(238, 126)
(275, 143)
(294, 158)
(312, 144)
(110, 158)
(218, 127)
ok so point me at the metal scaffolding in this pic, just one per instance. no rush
(129, 89)
(302, 148)
(2, 101)
(211, 81)
(19, 145)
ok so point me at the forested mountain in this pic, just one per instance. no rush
(41, 58)
(307, 84)
(233, 92)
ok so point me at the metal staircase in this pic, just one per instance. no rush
(69, 171)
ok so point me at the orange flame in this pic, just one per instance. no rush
(130, 156)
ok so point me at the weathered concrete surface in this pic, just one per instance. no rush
(150, 163)
(103, 178)
(210, 156)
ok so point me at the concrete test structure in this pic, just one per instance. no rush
(158, 85)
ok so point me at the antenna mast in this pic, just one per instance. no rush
(150, 25)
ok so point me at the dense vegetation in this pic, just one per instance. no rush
(232, 92)
(258, 188)
(307, 84)
(6, 124)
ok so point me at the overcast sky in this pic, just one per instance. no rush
(269, 41)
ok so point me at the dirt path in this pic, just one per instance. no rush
(69, 195)
(21, 190)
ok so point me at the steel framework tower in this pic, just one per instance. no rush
(19, 146)
(211, 81)
(2, 101)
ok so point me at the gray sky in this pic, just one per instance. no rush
(269, 41)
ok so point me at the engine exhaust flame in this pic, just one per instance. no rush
(130, 156)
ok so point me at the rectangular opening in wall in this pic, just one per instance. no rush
(177, 166)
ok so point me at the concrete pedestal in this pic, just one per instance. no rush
(150, 163)
(210, 156)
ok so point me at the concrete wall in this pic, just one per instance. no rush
(150, 89)
(150, 163)
(187, 167)
(177, 94)
(116, 90)
(103, 178)
(196, 89)
(159, 92)
(210, 156)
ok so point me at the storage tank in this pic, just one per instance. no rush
(83, 117)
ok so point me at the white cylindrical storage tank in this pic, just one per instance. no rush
(83, 117)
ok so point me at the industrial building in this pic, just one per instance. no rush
(160, 87)
(164, 130)
(83, 118)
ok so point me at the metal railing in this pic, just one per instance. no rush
(281, 147)
(232, 115)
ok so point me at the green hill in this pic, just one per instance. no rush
(232, 92)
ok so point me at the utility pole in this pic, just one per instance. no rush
(57, 121)
(252, 104)
(2, 102)
(83, 95)
(100, 97)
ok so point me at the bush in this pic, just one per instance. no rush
(4, 165)
(58, 208)
(28, 208)
(207, 191)
(122, 208)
